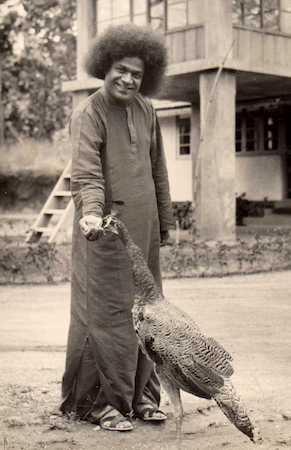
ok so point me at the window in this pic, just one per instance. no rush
(251, 134)
(161, 14)
(238, 133)
(270, 132)
(246, 132)
(112, 12)
(184, 136)
(140, 12)
(176, 14)
(257, 131)
(257, 13)
(156, 14)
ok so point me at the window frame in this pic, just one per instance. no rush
(166, 6)
(180, 120)
(179, 27)
(262, 22)
(131, 16)
(260, 116)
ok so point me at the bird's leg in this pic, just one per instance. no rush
(175, 399)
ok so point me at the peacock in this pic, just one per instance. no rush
(184, 357)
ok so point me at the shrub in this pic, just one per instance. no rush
(183, 212)
(246, 208)
(254, 253)
(43, 263)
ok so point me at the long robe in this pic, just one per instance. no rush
(117, 156)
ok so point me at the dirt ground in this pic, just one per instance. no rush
(249, 315)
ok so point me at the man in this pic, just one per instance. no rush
(117, 156)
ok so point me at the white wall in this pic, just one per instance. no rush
(179, 168)
(259, 177)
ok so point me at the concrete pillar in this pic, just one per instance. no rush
(218, 28)
(215, 196)
(86, 22)
(195, 143)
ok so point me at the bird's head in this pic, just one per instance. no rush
(112, 224)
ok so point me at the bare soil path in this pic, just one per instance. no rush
(249, 315)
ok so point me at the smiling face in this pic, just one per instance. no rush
(124, 79)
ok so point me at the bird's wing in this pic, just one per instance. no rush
(172, 340)
(210, 354)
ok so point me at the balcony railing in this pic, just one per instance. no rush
(261, 47)
(186, 44)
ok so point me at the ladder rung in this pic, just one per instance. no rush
(42, 230)
(51, 212)
(56, 210)
(63, 194)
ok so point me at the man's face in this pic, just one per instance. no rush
(124, 79)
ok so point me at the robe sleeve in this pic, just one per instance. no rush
(160, 176)
(87, 181)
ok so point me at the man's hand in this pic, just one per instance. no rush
(91, 227)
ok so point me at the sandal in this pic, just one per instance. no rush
(149, 414)
(111, 422)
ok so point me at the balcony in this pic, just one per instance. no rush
(258, 30)
(260, 56)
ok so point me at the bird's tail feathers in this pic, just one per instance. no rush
(232, 406)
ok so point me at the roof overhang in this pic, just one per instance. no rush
(253, 82)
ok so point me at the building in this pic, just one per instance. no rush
(226, 112)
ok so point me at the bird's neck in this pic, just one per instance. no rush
(146, 288)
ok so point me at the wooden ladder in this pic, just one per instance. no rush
(56, 217)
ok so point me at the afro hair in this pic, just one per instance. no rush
(129, 40)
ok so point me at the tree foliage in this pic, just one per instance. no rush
(38, 46)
